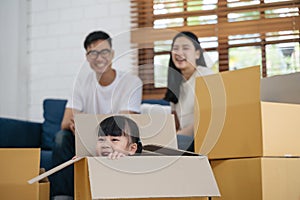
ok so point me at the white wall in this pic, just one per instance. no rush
(56, 31)
(13, 59)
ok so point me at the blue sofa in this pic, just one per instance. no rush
(25, 134)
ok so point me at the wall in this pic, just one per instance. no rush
(56, 31)
(13, 59)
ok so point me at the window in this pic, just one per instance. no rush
(234, 34)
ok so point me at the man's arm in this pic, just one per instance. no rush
(68, 119)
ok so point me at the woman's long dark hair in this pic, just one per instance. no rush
(174, 74)
(121, 126)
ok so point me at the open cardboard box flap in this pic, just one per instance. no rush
(137, 176)
(154, 129)
(281, 88)
(227, 114)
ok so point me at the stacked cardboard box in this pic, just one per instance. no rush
(253, 146)
(17, 166)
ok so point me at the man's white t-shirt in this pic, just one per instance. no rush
(123, 94)
(185, 106)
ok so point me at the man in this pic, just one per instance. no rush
(103, 91)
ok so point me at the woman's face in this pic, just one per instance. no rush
(184, 54)
(109, 144)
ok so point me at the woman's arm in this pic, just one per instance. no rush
(188, 130)
(177, 124)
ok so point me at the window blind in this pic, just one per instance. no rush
(227, 24)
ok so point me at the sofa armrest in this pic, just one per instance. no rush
(19, 133)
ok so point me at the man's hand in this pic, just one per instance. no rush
(72, 125)
(68, 120)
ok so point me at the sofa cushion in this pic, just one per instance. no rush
(19, 133)
(53, 115)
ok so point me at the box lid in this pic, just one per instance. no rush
(281, 88)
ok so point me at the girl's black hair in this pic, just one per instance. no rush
(174, 74)
(121, 126)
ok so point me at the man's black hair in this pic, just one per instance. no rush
(94, 36)
(118, 126)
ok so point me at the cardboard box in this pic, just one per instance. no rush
(17, 166)
(231, 121)
(258, 178)
(280, 128)
(141, 176)
(280, 113)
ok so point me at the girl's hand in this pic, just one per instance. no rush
(74, 157)
(116, 155)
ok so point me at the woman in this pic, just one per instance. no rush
(185, 64)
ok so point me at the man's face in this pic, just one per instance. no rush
(99, 55)
(109, 144)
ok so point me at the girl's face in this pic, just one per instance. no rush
(109, 144)
(184, 53)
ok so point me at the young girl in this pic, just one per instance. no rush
(185, 64)
(118, 136)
